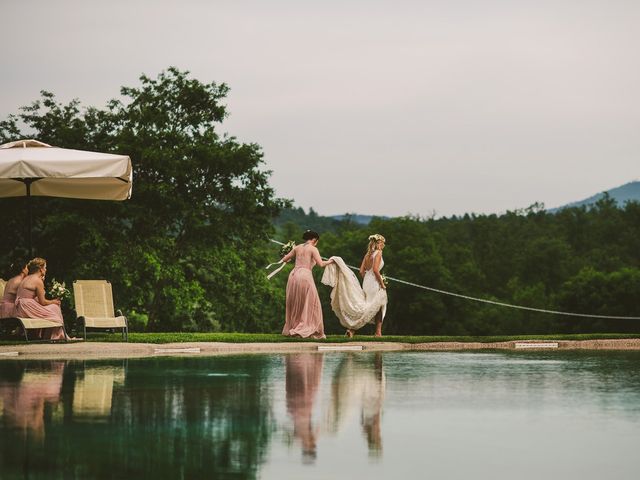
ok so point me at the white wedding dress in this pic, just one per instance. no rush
(354, 306)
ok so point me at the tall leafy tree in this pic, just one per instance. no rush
(184, 252)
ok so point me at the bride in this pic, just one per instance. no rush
(355, 306)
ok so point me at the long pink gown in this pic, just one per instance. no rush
(28, 306)
(303, 308)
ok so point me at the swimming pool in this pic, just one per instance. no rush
(324, 415)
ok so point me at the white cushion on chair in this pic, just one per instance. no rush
(30, 323)
(105, 322)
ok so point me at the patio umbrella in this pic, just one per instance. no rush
(31, 168)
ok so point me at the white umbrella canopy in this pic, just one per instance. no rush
(32, 168)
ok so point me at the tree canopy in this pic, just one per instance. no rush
(581, 260)
(183, 253)
(187, 251)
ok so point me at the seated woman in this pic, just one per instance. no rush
(31, 302)
(17, 271)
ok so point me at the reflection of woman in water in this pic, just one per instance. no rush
(303, 373)
(24, 401)
(372, 408)
(359, 386)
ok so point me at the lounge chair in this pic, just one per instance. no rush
(94, 307)
(35, 324)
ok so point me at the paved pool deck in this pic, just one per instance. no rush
(104, 350)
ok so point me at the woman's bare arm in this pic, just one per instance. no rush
(318, 259)
(40, 294)
(289, 255)
(362, 269)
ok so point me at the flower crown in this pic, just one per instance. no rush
(377, 237)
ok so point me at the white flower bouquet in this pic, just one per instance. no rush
(59, 290)
(287, 247)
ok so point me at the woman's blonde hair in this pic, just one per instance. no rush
(373, 243)
(36, 264)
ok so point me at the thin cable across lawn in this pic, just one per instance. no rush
(493, 302)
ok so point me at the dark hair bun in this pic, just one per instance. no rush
(16, 267)
(310, 235)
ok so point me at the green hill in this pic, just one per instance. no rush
(626, 193)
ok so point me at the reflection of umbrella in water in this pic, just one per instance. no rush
(31, 168)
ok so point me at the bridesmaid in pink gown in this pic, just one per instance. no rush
(31, 302)
(8, 305)
(303, 309)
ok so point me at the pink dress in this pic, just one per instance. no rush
(27, 306)
(303, 309)
(8, 305)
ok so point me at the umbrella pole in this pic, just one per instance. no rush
(30, 216)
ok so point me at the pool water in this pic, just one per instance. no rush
(328, 415)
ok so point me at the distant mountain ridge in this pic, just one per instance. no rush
(622, 194)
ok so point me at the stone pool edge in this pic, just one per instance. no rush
(98, 350)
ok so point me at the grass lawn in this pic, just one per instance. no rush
(176, 337)
(274, 337)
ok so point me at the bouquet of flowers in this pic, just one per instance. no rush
(59, 290)
(287, 247)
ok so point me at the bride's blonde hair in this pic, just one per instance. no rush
(373, 243)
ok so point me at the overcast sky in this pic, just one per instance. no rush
(375, 107)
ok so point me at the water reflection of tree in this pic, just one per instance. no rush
(218, 424)
(358, 386)
(167, 418)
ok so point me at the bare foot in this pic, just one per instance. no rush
(378, 334)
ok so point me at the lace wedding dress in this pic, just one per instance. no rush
(354, 306)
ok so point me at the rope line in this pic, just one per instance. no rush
(493, 302)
